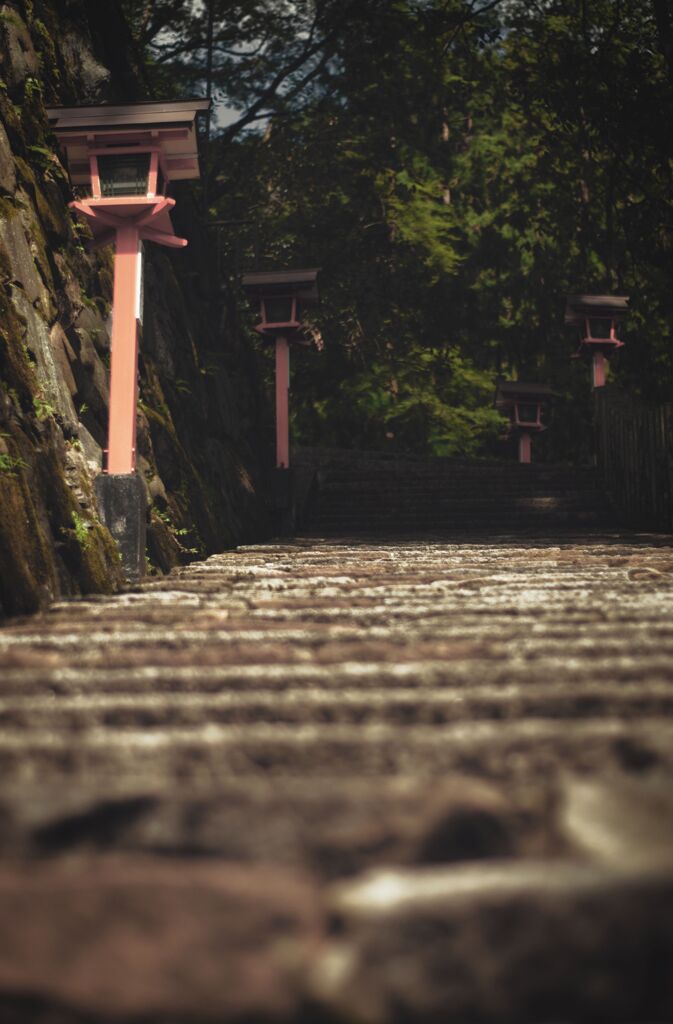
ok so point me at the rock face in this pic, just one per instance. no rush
(199, 406)
(413, 781)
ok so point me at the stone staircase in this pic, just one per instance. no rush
(370, 492)
(324, 781)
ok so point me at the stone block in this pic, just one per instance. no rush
(123, 506)
(130, 938)
(533, 942)
(282, 496)
(621, 821)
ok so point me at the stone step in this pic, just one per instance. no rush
(346, 780)
(430, 484)
(330, 826)
(325, 641)
(575, 938)
(415, 508)
(370, 483)
(620, 670)
(437, 468)
(523, 748)
(366, 492)
(338, 705)
(594, 930)
(481, 491)
(350, 523)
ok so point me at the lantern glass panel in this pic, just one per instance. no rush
(124, 174)
(600, 327)
(528, 412)
(279, 309)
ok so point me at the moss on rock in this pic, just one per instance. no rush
(28, 580)
(52, 293)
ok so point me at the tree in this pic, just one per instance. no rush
(456, 167)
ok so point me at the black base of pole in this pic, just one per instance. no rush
(282, 490)
(123, 506)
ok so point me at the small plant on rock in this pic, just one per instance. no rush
(80, 530)
(43, 408)
(10, 463)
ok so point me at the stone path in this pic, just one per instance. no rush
(414, 780)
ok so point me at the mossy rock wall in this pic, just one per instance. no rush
(200, 405)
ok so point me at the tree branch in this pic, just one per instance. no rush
(270, 92)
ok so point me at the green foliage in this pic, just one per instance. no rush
(177, 532)
(456, 169)
(46, 48)
(80, 530)
(430, 401)
(32, 87)
(49, 164)
(43, 408)
(10, 463)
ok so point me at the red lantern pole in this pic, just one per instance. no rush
(599, 370)
(124, 353)
(282, 403)
(525, 448)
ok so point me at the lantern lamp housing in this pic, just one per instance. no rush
(282, 297)
(126, 156)
(123, 174)
(597, 318)
(279, 311)
(528, 414)
(524, 403)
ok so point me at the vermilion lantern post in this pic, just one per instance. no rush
(282, 297)
(525, 406)
(127, 156)
(597, 317)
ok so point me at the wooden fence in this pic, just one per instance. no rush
(634, 447)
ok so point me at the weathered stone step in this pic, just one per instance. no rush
(276, 718)
(384, 624)
(594, 930)
(446, 520)
(445, 490)
(436, 526)
(424, 505)
(337, 705)
(459, 672)
(362, 492)
(437, 491)
(368, 486)
(381, 499)
(207, 753)
(593, 933)
(432, 469)
(331, 826)
(405, 602)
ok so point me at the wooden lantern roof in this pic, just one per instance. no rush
(302, 283)
(510, 391)
(579, 307)
(170, 126)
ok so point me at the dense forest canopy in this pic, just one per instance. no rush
(456, 167)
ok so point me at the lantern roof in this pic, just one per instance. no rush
(510, 391)
(303, 283)
(167, 125)
(578, 307)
